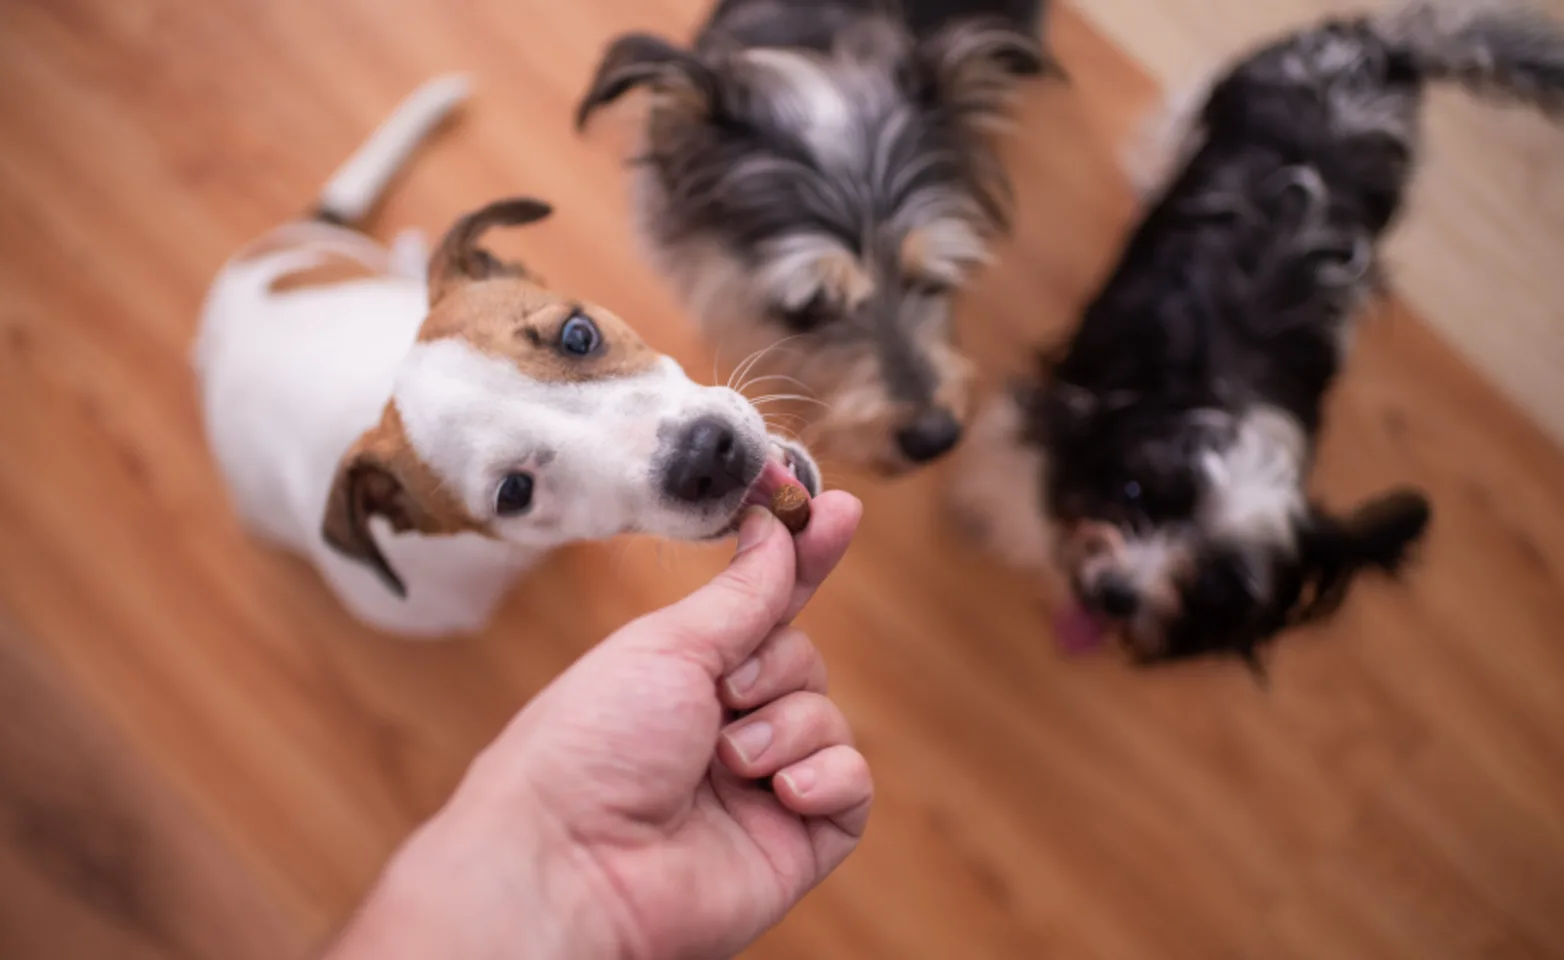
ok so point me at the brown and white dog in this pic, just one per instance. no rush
(424, 438)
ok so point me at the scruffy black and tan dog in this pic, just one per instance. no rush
(821, 172)
(1162, 462)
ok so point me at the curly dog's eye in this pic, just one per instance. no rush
(808, 317)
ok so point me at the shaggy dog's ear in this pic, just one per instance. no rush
(974, 65)
(634, 60)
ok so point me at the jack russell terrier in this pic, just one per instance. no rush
(424, 436)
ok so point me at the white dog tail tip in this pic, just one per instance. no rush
(356, 186)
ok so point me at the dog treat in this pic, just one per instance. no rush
(791, 505)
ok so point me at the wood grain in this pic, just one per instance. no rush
(203, 757)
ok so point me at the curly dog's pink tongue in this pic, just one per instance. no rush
(1079, 630)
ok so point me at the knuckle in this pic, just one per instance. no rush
(810, 714)
(833, 724)
(801, 654)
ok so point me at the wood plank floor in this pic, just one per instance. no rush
(202, 757)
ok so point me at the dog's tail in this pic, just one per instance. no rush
(1494, 48)
(356, 186)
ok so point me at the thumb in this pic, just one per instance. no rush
(723, 622)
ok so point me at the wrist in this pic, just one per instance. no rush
(479, 882)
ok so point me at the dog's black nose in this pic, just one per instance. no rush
(1117, 598)
(930, 436)
(707, 463)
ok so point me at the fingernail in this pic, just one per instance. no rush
(744, 677)
(800, 779)
(755, 526)
(750, 740)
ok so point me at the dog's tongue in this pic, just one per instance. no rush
(1079, 630)
(773, 476)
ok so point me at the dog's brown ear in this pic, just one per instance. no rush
(972, 66)
(364, 487)
(380, 476)
(458, 259)
(642, 60)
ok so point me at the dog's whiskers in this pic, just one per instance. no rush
(780, 397)
(749, 362)
(776, 376)
(745, 366)
(738, 371)
(787, 432)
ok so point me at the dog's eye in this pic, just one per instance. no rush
(809, 316)
(1132, 491)
(579, 336)
(514, 496)
(928, 287)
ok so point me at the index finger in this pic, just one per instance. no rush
(833, 520)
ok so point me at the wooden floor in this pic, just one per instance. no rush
(201, 757)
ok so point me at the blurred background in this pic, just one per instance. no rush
(202, 756)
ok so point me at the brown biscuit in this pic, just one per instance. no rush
(791, 505)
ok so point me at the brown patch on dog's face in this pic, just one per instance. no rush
(333, 268)
(1162, 604)
(852, 416)
(915, 254)
(954, 374)
(941, 254)
(500, 308)
(806, 280)
(843, 279)
(1093, 553)
(1089, 540)
(382, 476)
(522, 322)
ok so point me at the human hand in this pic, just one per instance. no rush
(619, 814)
